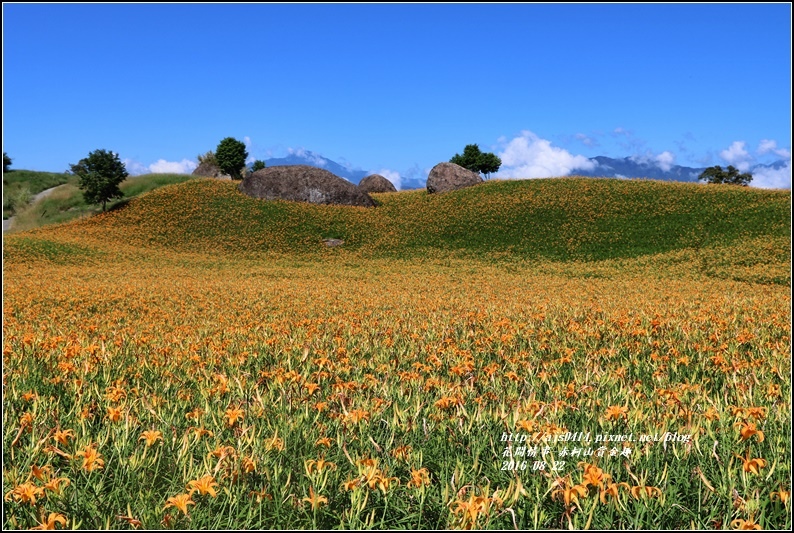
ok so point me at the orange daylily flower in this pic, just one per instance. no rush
(25, 493)
(745, 524)
(54, 485)
(40, 472)
(351, 484)
(314, 499)
(472, 509)
(616, 411)
(62, 437)
(611, 490)
(782, 495)
(249, 465)
(749, 429)
(594, 476)
(180, 501)
(752, 465)
(323, 441)
(318, 466)
(419, 478)
(569, 494)
(92, 459)
(114, 414)
(151, 437)
(401, 452)
(29, 396)
(233, 415)
(52, 520)
(204, 485)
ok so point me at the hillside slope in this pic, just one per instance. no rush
(569, 219)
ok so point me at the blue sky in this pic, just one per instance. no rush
(395, 89)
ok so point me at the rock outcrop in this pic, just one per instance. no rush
(376, 183)
(302, 183)
(445, 177)
(209, 170)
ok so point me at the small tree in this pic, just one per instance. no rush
(258, 165)
(231, 156)
(731, 176)
(477, 161)
(6, 162)
(100, 175)
(489, 163)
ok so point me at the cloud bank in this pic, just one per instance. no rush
(306, 154)
(772, 178)
(161, 166)
(740, 157)
(529, 156)
(665, 161)
(737, 155)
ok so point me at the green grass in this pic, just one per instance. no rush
(20, 185)
(556, 219)
(441, 323)
(67, 203)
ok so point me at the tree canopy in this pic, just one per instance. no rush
(100, 175)
(731, 176)
(477, 161)
(231, 155)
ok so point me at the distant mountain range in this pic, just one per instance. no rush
(305, 157)
(608, 167)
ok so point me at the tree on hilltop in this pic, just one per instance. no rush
(730, 175)
(100, 175)
(477, 161)
(6, 162)
(231, 156)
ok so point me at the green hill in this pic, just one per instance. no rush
(561, 220)
(66, 202)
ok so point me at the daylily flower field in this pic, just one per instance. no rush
(149, 384)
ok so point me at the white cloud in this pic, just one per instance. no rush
(585, 140)
(529, 156)
(392, 176)
(767, 146)
(665, 161)
(772, 178)
(737, 155)
(172, 167)
(135, 168)
(306, 154)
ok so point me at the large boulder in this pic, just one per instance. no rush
(302, 183)
(446, 177)
(376, 183)
(208, 170)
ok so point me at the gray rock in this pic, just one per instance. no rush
(376, 183)
(445, 177)
(302, 183)
(208, 170)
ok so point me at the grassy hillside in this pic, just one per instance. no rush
(198, 359)
(66, 202)
(19, 186)
(561, 220)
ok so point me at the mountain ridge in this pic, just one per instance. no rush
(606, 167)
